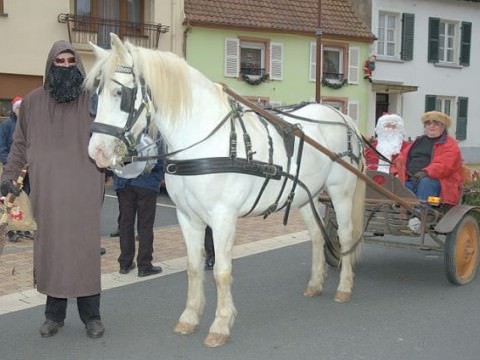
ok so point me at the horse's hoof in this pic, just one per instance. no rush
(184, 328)
(310, 292)
(215, 340)
(343, 296)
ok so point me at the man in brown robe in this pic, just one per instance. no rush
(52, 137)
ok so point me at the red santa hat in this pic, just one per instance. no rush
(16, 101)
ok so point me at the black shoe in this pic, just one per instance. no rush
(50, 328)
(126, 270)
(103, 251)
(150, 271)
(95, 329)
(13, 236)
(209, 262)
(115, 233)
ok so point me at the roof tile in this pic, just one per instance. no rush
(338, 17)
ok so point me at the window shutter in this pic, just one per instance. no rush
(462, 114)
(313, 61)
(353, 64)
(276, 61)
(465, 43)
(232, 56)
(433, 39)
(408, 27)
(353, 110)
(430, 101)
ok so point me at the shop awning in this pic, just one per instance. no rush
(392, 87)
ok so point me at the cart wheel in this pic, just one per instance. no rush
(462, 251)
(332, 250)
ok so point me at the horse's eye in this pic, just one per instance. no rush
(118, 92)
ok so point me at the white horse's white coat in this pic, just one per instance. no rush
(186, 107)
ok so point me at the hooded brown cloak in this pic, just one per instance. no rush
(66, 188)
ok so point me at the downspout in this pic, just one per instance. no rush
(188, 28)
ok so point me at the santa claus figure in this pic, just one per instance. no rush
(389, 142)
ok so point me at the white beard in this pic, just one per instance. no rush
(388, 144)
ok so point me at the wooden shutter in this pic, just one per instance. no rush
(465, 43)
(353, 110)
(232, 57)
(462, 114)
(408, 28)
(433, 39)
(276, 61)
(430, 102)
(353, 64)
(313, 61)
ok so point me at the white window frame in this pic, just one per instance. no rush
(448, 43)
(312, 62)
(446, 104)
(353, 65)
(387, 35)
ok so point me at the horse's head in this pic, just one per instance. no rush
(122, 105)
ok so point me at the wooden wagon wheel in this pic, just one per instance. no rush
(462, 251)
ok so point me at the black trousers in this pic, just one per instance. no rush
(88, 308)
(140, 203)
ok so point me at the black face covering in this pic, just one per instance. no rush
(64, 83)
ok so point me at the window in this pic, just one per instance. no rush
(253, 58)
(335, 62)
(388, 34)
(449, 42)
(339, 103)
(126, 10)
(395, 35)
(332, 64)
(447, 105)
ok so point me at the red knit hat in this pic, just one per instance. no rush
(16, 101)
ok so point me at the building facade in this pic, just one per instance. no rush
(28, 28)
(426, 59)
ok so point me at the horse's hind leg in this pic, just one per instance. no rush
(193, 235)
(223, 237)
(318, 271)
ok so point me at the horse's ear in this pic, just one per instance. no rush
(118, 46)
(99, 52)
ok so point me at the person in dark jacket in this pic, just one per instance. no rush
(66, 190)
(137, 199)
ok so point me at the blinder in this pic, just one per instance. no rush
(134, 144)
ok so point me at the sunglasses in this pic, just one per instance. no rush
(433, 122)
(69, 60)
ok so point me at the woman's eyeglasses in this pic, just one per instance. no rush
(433, 122)
(61, 61)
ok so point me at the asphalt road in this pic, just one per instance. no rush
(402, 308)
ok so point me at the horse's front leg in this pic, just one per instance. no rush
(223, 238)
(318, 271)
(193, 234)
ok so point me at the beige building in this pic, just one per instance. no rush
(28, 29)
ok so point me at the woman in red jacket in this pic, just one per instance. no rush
(432, 164)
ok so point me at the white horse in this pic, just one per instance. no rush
(195, 117)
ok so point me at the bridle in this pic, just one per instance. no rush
(127, 104)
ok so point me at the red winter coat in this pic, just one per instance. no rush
(446, 166)
(371, 157)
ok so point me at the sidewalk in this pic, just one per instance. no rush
(254, 235)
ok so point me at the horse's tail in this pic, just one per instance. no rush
(358, 214)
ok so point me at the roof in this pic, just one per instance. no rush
(290, 16)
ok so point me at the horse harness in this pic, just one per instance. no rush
(232, 163)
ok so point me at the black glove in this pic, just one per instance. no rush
(7, 186)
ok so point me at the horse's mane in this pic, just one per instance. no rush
(166, 75)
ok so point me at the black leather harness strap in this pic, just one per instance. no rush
(217, 165)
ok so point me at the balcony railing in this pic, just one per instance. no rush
(82, 29)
